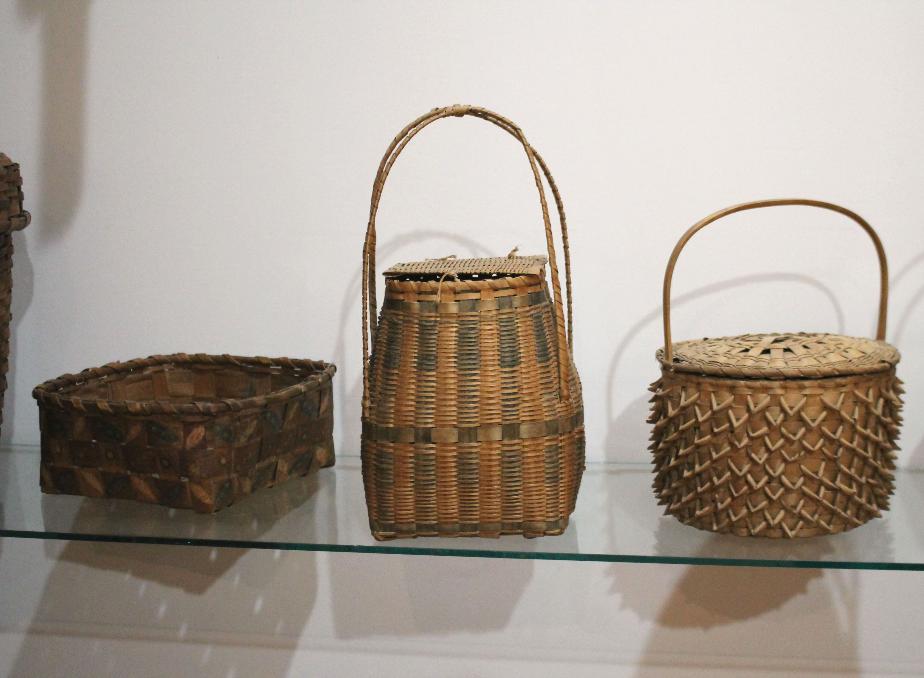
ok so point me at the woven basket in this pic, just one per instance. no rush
(12, 218)
(776, 435)
(189, 431)
(472, 412)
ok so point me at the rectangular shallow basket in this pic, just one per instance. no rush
(776, 435)
(189, 431)
(12, 218)
(472, 411)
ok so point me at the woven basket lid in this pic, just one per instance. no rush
(486, 266)
(782, 356)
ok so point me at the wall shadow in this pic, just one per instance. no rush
(907, 312)
(254, 518)
(713, 600)
(440, 595)
(415, 596)
(265, 598)
(195, 595)
(64, 38)
(732, 607)
(902, 323)
(65, 43)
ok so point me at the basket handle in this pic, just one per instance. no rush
(880, 252)
(564, 342)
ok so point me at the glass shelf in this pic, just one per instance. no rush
(617, 520)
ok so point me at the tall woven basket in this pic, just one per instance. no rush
(472, 412)
(12, 218)
(776, 435)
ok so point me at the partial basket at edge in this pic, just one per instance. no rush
(12, 218)
(189, 431)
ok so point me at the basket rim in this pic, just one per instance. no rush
(770, 383)
(502, 282)
(48, 393)
(886, 359)
(486, 266)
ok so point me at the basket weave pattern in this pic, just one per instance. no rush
(472, 410)
(12, 218)
(776, 435)
(775, 458)
(189, 431)
(466, 434)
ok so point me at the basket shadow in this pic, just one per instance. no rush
(907, 312)
(196, 595)
(167, 594)
(177, 593)
(65, 43)
(440, 595)
(257, 518)
(902, 327)
(421, 596)
(741, 608)
(724, 601)
(737, 606)
(64, 36)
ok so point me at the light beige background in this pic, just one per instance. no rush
(199, 176)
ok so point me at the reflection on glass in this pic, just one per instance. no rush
(617, 520)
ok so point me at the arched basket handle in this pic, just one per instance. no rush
(564, 340)
(671, 263)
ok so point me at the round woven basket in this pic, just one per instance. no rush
(776, 435)
(472, 412)
(188, 431)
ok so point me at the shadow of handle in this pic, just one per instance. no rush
(698, 226)
(535, 161)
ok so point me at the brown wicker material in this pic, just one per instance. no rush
(189, 431)
(472, 268)
(776, 435)
(472, 412)
(12, 218)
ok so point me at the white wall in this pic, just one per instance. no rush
(199, 176)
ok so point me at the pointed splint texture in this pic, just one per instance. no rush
(775, 458)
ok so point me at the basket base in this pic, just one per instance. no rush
(387, 532)
(777, 459)
(805, 532)
(200, 495)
